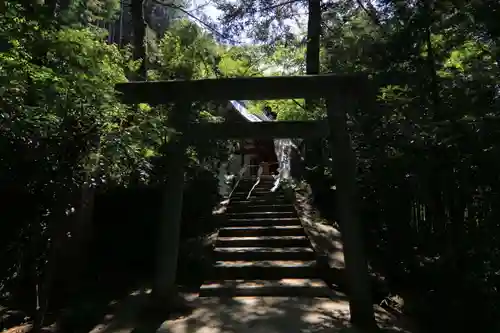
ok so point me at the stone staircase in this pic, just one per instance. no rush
(263, 250)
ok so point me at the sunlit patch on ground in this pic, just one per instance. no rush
(270, 315)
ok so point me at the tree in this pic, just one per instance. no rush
(139, 33)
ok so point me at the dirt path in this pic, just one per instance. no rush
(255, 315)
(271, 315)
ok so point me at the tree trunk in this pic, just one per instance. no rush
(312, 67)
(313, 42)
(82, 229)
(139, 32)
(313, 37)
(44, 287)
(431, 62)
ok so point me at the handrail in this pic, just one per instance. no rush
(259, 173)
(240, 176)
(241, 172)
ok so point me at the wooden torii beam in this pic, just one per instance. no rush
(242, 88)
(339, 92)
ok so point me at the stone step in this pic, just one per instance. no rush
(260, 187)
(263, 253)
(263, 241)
(264, 270)
(271, 198)
(257, 190)
(249, 185)
(262, 221)
(262, 181)
(260, 197)
(252, 214)
(283, 288)
(283, 230)
(236, 207)
(258, 202)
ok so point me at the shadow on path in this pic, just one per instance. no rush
(269, 315)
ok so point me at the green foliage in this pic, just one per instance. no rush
(285, 109)
(65, 133)
(91, 11)
(65, 94)
(239, 61)
(186, 52)
(286, 59)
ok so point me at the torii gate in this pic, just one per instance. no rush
(339, 92)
